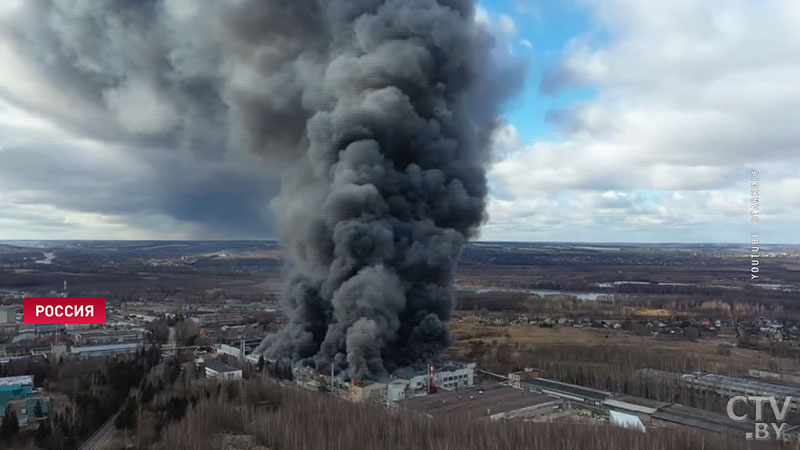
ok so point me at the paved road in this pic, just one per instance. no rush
(96, 441)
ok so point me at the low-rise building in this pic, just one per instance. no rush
(493, 402)
(566, 391)
(222, 371)
(104, 350)
(19, 395)
(7, 316)
(368, 391)
(731, 386)
(448, 377)
(109, 336)
(516, 378)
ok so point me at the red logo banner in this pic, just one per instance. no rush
(57, 310)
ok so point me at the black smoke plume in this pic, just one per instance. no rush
(375, 116)
(391, 186)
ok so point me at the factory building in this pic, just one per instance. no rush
(701, 419)
(730, 386)
(236, 351)
(780, 377)
(396, 390)
(641, 407)
(19, 395)
(7, 316)
(451, 376)
(104, 350)
(515, 379)
(109, 336)
(222, 371)
(494, 402)
(15, 387)
(448, 377)
(566, 391)
(368, 391)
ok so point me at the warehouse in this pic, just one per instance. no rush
(730, 386)
(493, 402)
(698, 418)
(105, 350)
(222, 371)
(636, 405)
(566, 391)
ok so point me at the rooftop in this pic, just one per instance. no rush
(699, 418)
(220, 367)
(11, 381)
(632, 403)
(744, 385)
(477, 400)
(106, 347)
(544, 385)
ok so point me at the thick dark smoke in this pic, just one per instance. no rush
(391, 186)
(374, 114)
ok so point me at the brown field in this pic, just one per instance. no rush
(525, 338)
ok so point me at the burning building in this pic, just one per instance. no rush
(449, 377)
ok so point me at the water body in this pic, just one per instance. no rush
(48, 258)
(588, 296)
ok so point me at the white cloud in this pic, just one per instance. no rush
(690, 95)
(506, 25)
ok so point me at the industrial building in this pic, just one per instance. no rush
(104, 350)
(730, 386)
(701, 419)
(236, 352)
(566, 391)
(635, 405)
(368, 391)
(515, 379)
(7, 316)
(19, 394)
(780, 377)
(109, 336)
(450, 376)
(493, 402)
(222, 371)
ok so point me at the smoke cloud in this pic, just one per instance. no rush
(374, 115)
(391, 185)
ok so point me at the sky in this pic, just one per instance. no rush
(639, 121)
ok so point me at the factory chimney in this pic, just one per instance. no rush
(431, 375)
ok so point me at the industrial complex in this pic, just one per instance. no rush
(19, 396)
(448, 377)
